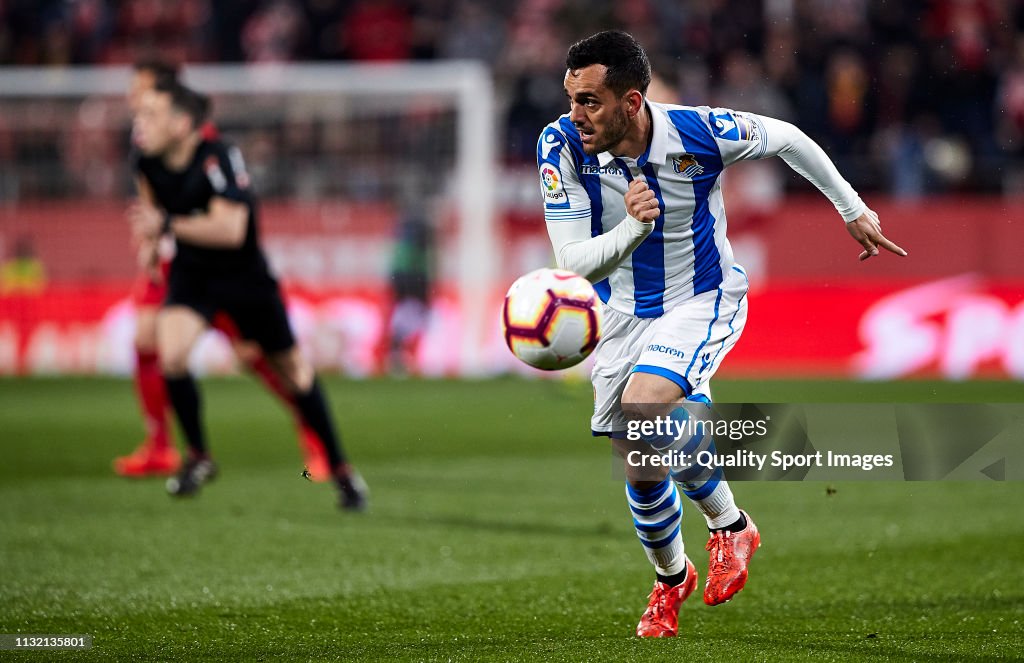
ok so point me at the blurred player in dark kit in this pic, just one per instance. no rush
(156, 455)
(197, 190)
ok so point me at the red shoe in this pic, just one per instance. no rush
(147, 461)
(730, 555)
(661, 619)
(317, 467)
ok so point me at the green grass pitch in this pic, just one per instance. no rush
(495, 533)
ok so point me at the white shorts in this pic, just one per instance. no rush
(685, 345)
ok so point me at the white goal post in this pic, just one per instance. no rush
(470, 192)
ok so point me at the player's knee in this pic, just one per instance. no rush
(145, 342)
(639, 471)
(247, 352)
(295, 370)
(646, 396)
(634, 406)
(145, 331)
(302, 378)
(173, 361)
(639, 402)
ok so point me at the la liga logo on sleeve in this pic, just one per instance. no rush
(554, 193)
(550, 177)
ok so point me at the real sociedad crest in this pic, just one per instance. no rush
(686, 164)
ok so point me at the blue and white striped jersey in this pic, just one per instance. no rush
(687, 252)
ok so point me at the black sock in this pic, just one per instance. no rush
(313, 409)
(675, 579)
(184, 399)
(737, 526)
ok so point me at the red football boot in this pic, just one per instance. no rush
(148, 461)
(730, 555)
(313, 453)
(661, 619)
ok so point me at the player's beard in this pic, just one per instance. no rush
(614, 132)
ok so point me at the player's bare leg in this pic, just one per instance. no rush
(178, 330)
(156, 454)
(734, 536)
(297, 376)
(313, 451)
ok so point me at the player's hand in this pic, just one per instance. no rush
(867, 230)
(641, 204)
(149, 259)
(146, 221)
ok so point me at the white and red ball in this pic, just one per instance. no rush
(551, 319)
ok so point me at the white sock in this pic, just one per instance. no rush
(718, 506)
(708, 490)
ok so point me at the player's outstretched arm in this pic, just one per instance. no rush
(807, 158)
(867, 230)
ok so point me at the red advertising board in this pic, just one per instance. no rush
(953, 308)
(958, 328)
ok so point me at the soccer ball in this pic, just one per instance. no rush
(551, 319)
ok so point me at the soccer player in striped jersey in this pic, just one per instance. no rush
(633, 202)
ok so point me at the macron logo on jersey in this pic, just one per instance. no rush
(654, 347)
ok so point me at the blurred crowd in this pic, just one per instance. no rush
(908, 97)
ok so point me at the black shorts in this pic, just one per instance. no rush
(253, 304)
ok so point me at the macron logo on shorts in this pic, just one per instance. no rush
(654, 347)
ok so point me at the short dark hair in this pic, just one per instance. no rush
(163, 71)
(186, 100)
(628, 67)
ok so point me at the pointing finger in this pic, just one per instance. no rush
(890, 246)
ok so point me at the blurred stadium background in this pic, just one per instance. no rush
(392, 144)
